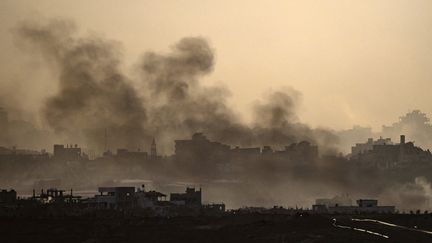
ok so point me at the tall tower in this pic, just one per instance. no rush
(153, 152)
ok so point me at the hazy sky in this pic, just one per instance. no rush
(360, 62)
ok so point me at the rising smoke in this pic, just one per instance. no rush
(94, 95)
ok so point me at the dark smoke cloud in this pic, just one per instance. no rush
(181, 105)
(174, 76)
(276, 122)
(93, 94)
(279, 109)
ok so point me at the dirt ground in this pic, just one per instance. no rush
(229, 228)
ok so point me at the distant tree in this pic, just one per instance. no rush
(416, 116)
(415, 125)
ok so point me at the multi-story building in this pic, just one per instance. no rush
(191, 197)
(399, 155)
(68, 153)
(361, 148)
(199, 148)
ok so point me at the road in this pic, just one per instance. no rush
(384, 231)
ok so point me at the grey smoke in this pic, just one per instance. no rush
(95, 95)
(182, 106)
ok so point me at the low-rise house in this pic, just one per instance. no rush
(363, 206)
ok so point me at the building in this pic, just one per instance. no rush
(363, 206)
(124, 154)
(361, 148)
(200, 149)
(128, 197)
(387, 156)
(190, 198)
(150, 199)
(135, 201)
(342, 200)
(245, 155)
(7, 197)
(68, 153)
(22, 155)
(54, 195)
(367, 203)
(299, 152)
(203, 152)
(113, 198)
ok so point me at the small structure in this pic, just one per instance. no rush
(199, 148)
(113, 198)
(363, 206)
(68, 153)
(54, 195)
(190, 198)
(7, 197)
(150, 199)
(342, 200)
(386, 156)
(126, 155)
(367, 203)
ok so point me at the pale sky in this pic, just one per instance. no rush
(362, 62)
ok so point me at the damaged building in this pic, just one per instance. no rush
(68, 153)
(200, 148)
(190, 198)
(113, 198)
(22, 156)
(361, 148)
(389, 155)
(137, 156)
(54, 195)
(187, 203)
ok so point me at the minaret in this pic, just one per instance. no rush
(153, 152)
